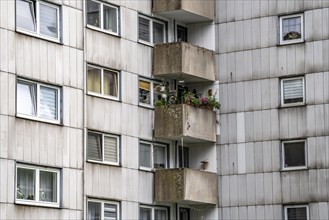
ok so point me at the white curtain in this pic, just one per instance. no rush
(145, 155)
(26, 98)
(48, 186)
(25, 17)
(25, 184)
(48, 20)
(94, 211)
(145, 214)
(291, 24)
(48, 103)
(110, 18)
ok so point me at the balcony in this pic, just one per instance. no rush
(183, 185)
(186, 11)
(193, 124)
(184, 61)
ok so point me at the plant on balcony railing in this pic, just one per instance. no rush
(170, 98)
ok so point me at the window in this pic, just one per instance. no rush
(38, 18)
(103, 16)
(151, 31)
(153, 213)
(148, 92)
(103, 82)
(152, 155)
(292, 91)
(103, 148)
(38, 101)
(181, 33)
(296, 212)
(294, 154)
(98, 209)
(37, 185)
(291, 29)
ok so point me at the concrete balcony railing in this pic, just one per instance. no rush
(186, 11)
(184, 61)
(193, 124)
(183, 185)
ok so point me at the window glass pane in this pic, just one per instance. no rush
(143, 29)
(297, 213)
(110, 149)
(48, 103)
(94, 79)
(159, 156)
(160, 214)
(181, 34)
(145, 155)
(158, 33)
(145, 214)
(94, 211)
(25, 184)
(26, 98)
(48, 186)
(48, 20)
(25, 18)
(110, 18)
(291, 28)
(144, 92)
(156, 92)
(293, 91)
(110, 211)
(294, 154)
(93, 13)
(110, 83)
(94, 151)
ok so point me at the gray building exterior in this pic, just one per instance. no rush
(81, 136)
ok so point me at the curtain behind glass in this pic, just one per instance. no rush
(110, 83)
(25, 184)
(48, 103)
(145, 214)
(110, 149)
(94, 79)
(26, 98)
(159, 153)
(25, 17)
(94, 211)
(48, 21)
(110, 18)
(48, 186)
(160, 214)
(93, 13)
(145, 155)
(94, 148)
(291, 25)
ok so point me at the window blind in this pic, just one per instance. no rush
(110, 211)
(299, 213)
(48, 103)
(94, 150)
(158, 33)
(110, 149)
(293, 90)
(144, 29)
(48, 21)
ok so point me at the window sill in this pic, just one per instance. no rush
(103, 31)
(98, 95)
(27, 117)
(284, 43)
(104, 163)
(37, 204)
(146, 169)
(294, 168)
(30, 34)
(292, 105)
(151, 107)
(146, 43)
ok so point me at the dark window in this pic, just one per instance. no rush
(181, 33)
(294, 154)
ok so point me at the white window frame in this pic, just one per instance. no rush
(36, 19)
(102, 83)
(37, 117)
(101, 18)
(102, 202)
(36, 201)
(152, 20)
(117, 163)
(284, 42)
(283, 155)
(282, 92)
(152, 84)
(286, 207)
(152, 155)
(153, 208)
